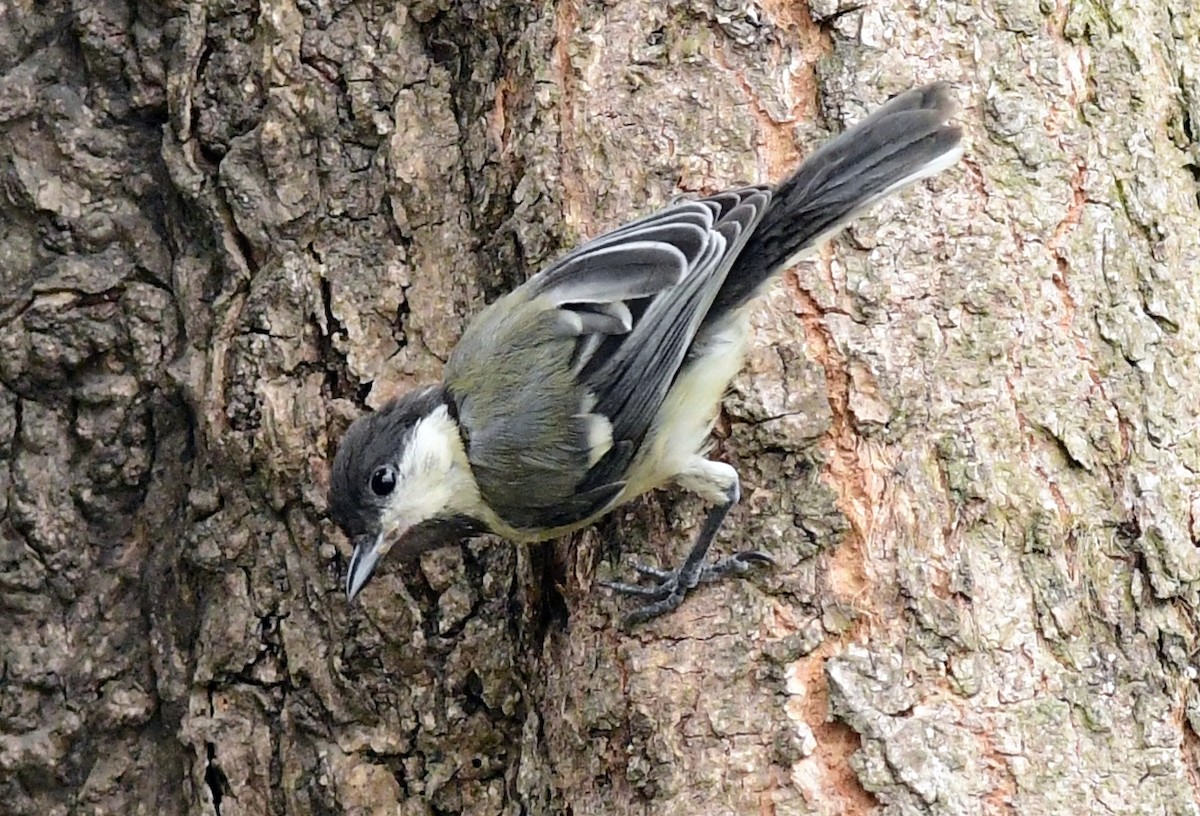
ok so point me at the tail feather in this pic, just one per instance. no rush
(907, 139)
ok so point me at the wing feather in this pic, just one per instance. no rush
(622, 310)
(615, 273)
(630, 374)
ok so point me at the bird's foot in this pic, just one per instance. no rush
(668, 588)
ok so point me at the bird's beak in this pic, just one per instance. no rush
(363, 561)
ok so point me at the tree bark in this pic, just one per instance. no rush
(968, 431)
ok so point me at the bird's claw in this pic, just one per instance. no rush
(669, 587)
(736, 564)
(648, 571)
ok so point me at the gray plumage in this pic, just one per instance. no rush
(666, 278)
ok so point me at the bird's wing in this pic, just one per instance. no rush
(629, 372)
(610, 323)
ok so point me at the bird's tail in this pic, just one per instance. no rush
(907, 139)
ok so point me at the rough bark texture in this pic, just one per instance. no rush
(970, 432)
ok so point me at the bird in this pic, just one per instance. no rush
(600, 377)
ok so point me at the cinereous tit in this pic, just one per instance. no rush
(601, 376)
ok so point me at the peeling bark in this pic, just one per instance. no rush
(968, 431)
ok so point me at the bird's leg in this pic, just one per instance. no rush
(714, 480)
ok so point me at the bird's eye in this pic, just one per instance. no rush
(383, 480)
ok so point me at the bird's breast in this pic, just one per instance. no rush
(683, 423)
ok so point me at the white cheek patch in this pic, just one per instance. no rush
(434, 477)
(429, 452)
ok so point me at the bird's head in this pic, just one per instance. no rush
(401, 481)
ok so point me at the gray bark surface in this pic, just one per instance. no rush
(969, 431)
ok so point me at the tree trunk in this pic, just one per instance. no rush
(969, 431)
